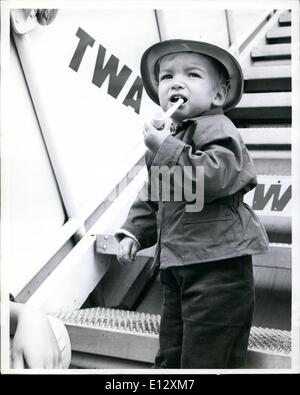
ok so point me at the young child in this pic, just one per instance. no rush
(205, 255)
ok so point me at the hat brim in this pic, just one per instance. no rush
(158, 50)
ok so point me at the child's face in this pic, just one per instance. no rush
(190, 76)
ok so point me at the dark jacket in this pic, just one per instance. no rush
(225, 227)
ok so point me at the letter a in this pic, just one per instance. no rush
(135, 90)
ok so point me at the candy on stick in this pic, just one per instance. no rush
(158, 121)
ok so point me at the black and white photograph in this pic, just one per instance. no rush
(150, 189)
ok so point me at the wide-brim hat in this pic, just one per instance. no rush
(155, 52)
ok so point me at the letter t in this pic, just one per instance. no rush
(84, 41)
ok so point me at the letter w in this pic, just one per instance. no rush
(101, 72)
(261, 199)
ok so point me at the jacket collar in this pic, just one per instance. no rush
(186, 122)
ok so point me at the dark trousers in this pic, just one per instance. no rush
(206, 315)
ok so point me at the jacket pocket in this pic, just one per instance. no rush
(209, 213)
(207, 233)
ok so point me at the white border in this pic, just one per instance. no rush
(167, 4)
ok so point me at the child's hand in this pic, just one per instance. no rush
(128, 248)
(153, 137)
(34, 344)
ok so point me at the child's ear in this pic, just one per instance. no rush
(220, 96)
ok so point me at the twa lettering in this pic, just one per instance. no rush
(272, 196)
(116, 81)
(261, 198)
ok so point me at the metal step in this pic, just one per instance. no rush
(279, 257)
(279, 230)
(273, 294)
(271, 52)
(83, 360)
(269, 339)
(285, 19)
(134, 336)
(262, 107)
(262, 138)
(279, 35)
(272, 163)
(112, 332)
(272, 166)
(271, 62)
(267, 78)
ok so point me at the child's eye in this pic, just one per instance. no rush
(165, 77)
(196, 75)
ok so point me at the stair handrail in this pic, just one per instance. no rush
(238, 44)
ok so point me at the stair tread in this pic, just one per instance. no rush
(267, 72)
(271, 154)
(272, 166)
(285, 19)
(137, 335)
(265, 99)
(260, 62)
(268, 78)
(272, 51)
(266, 136)
(279, 32)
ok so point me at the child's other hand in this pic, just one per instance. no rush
(34, 345)
(153, 137)
(128, 248)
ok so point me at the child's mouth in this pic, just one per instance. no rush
(175, 98)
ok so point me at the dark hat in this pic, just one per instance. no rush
(155, 52)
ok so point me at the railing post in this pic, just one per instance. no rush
(231, 30)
